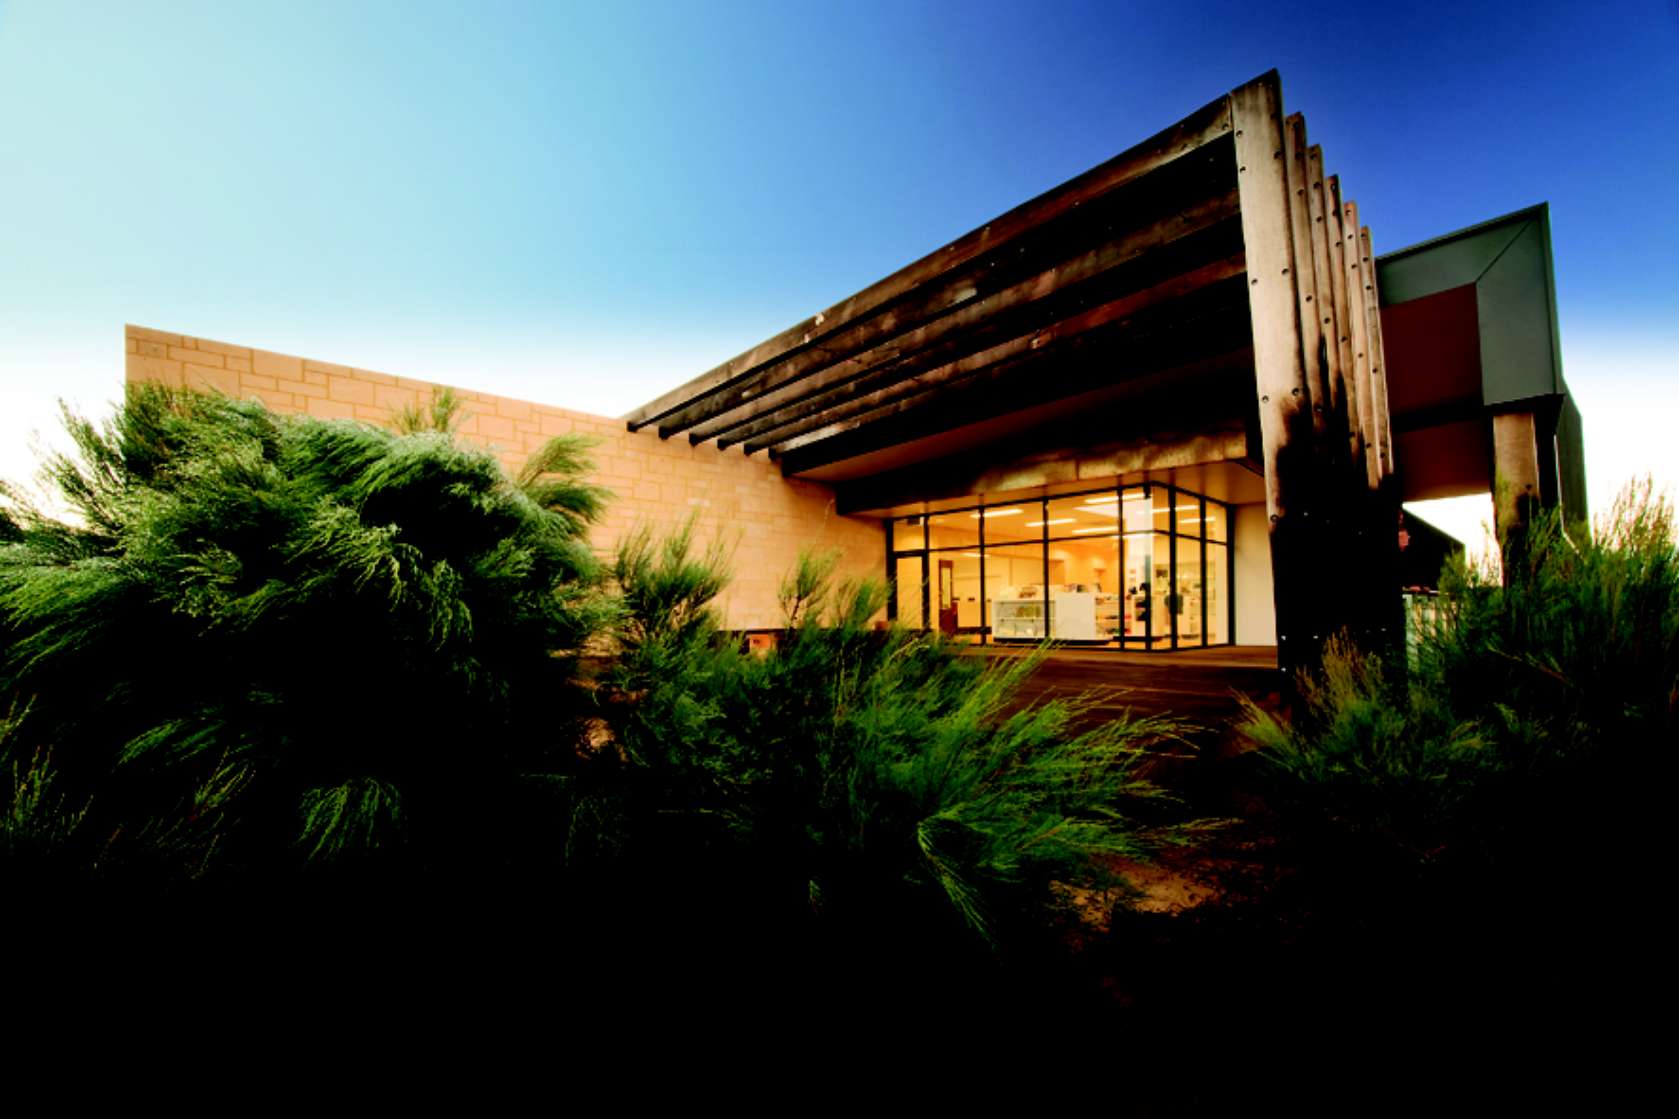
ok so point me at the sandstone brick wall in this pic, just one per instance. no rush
(766, 517)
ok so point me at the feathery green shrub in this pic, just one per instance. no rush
(1535, 727)
(263, 644)
(856, 772)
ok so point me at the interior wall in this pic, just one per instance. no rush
(1256, 611)
(1071, 563)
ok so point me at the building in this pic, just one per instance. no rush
(1171, 403)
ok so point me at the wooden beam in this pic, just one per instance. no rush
(945, 340)
(1343, 315)
(1298, 179)
(1378, 367)
(815, 371)
(1359, 309)
(1216, 339)
(888, 401)
(1180, 139)
(1323, 272)
(1279, 365)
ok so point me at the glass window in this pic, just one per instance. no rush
(909, 534)
(1163, 602)
(956, 609)
(1012, 523)
(1014, 588)
(1145, 566)
(1137, 619)
(908, 588)
(1134, 504)
(1218, 522)
(1189, 594)
(953, 530)
(1088, 514)
(1160, 500)
(1084, 603)
(1218, 604)
(1188, 518)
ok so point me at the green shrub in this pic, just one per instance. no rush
(858, 772)
(262, 643)
(1366, 767)
(1532, 730)
(38, 823)
(1576, 652)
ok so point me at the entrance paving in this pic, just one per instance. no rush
(1198, 686)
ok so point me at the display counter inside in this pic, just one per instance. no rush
(1073, 615)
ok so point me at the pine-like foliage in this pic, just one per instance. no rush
(863, 774)
(264, 645)
(1540, 717)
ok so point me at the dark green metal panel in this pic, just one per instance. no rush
(1571, 461)
(1508, 260)
(1445, 262)
(1519, 358)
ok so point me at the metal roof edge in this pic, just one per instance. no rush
(1539, 211)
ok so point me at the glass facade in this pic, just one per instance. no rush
(1138, 567)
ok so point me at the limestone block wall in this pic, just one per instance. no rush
(766, 518)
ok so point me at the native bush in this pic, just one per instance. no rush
(856, 772)
(260, 645)
(1535, 726)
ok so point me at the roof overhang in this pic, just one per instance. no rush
(1114, 306)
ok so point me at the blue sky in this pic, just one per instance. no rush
(586, 204)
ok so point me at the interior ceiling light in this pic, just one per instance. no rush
(1051, 521)
(988, 513)
(1099, 528)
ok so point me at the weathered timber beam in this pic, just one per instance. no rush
(1298, 180)
(1285, 427)
(1360, 311)
(1021, 313)
(888, 401)
(1332, 216)
(1217, 338)
(813, 371)
(1172, 143)
(1378, 367)
(1323, 273)
(1256, 113)
(1389, 631)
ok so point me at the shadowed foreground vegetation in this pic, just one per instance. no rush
(337, 675)
(355, 700)
(1530, 739)
(1475, 842)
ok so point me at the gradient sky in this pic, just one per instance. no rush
(586, 204)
